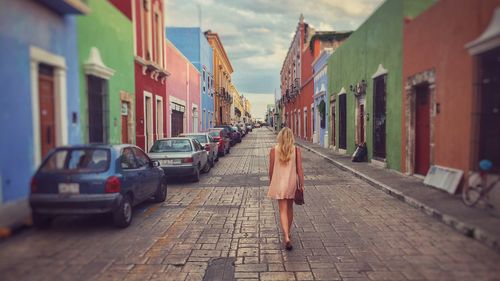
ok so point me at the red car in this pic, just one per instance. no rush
(221, 136)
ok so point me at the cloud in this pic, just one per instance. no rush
(256, 34)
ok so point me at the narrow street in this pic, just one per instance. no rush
(347, 230)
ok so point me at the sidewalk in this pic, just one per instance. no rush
(449, 209)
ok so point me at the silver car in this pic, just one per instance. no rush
(211, 147)
(180, 157)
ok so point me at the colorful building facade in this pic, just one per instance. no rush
(451, 103)
(39, 76)
(297, 78)
(193, 44)
(107, 86)
(183, 94)
(366, 89)
(222, 70)
(150, 70)
(321, 99)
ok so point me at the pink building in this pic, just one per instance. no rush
(183, 94)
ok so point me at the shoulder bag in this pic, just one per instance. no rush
(299, 193)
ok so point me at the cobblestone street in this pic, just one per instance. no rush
(347, 230)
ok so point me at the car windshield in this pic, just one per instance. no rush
(201, 138)
(214, 133)
(81, 160)
(172, 145)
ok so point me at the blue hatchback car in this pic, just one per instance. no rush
(93, 179)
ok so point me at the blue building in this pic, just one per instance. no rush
(40, 97)
(321, 102)
(193, 44)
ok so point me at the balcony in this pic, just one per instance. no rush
(67, 7)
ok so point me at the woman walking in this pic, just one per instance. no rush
(285, 175)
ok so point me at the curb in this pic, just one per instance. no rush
(6, 232)
(468, 230)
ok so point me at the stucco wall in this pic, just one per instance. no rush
(110, 31)
(42, 28)
(435, 40)
(377, 41)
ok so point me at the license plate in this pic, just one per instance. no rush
(168, 162)
(69, 188)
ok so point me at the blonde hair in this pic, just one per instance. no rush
(285, 145)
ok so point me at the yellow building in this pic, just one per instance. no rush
(247, 110)
(237, 108)
(222, 70)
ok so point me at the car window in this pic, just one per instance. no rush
(127, 159)
(142, 159)
(81, 160)
(215, 133)
(210, 139)
(172, 145)
(196, 145)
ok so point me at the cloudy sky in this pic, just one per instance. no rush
(256, 33)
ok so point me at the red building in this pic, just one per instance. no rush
(297, 77)
(150, 68)
(451, 65)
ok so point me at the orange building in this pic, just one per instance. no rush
(222, 70)
(451, 100)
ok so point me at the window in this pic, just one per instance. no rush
(78, 160)
(127, 159)
(489, 106)
(172, 145)
(142, 159)
(196, 145)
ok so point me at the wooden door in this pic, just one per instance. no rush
(47, 109)
(342, 121)
(422, 130)
(361, 123)
(97, 109)
(177, 123)
(379, 118)
(125, 129)
(333, 124)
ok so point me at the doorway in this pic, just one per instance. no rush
(177, 119)
(379, 119)
(47, 108)
(148, 121)
(422, 129)
(343, 121)
(125, 121)
(159, 118)
(333, 120)
(97, 109)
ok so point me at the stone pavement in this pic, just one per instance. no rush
(449, 209)
(347, 230)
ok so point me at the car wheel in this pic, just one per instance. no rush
(196, 177)
(161, 191)
(207, 167)
(123, 215)
(41, 221)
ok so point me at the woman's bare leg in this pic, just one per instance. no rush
(285, 225)
(290, 214)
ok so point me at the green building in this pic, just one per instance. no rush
(366, 87)
(106, 70)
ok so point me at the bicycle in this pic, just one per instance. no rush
(480, 184)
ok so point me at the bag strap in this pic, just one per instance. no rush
(296, 164)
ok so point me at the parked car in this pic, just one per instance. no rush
(257, 125)
(221, 136)
(211, 146)
(233, 133)
(93, 179)
(239, 135)
(249, 127)
(180, 157)
(242, 129)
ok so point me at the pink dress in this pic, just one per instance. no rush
(284, 177)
